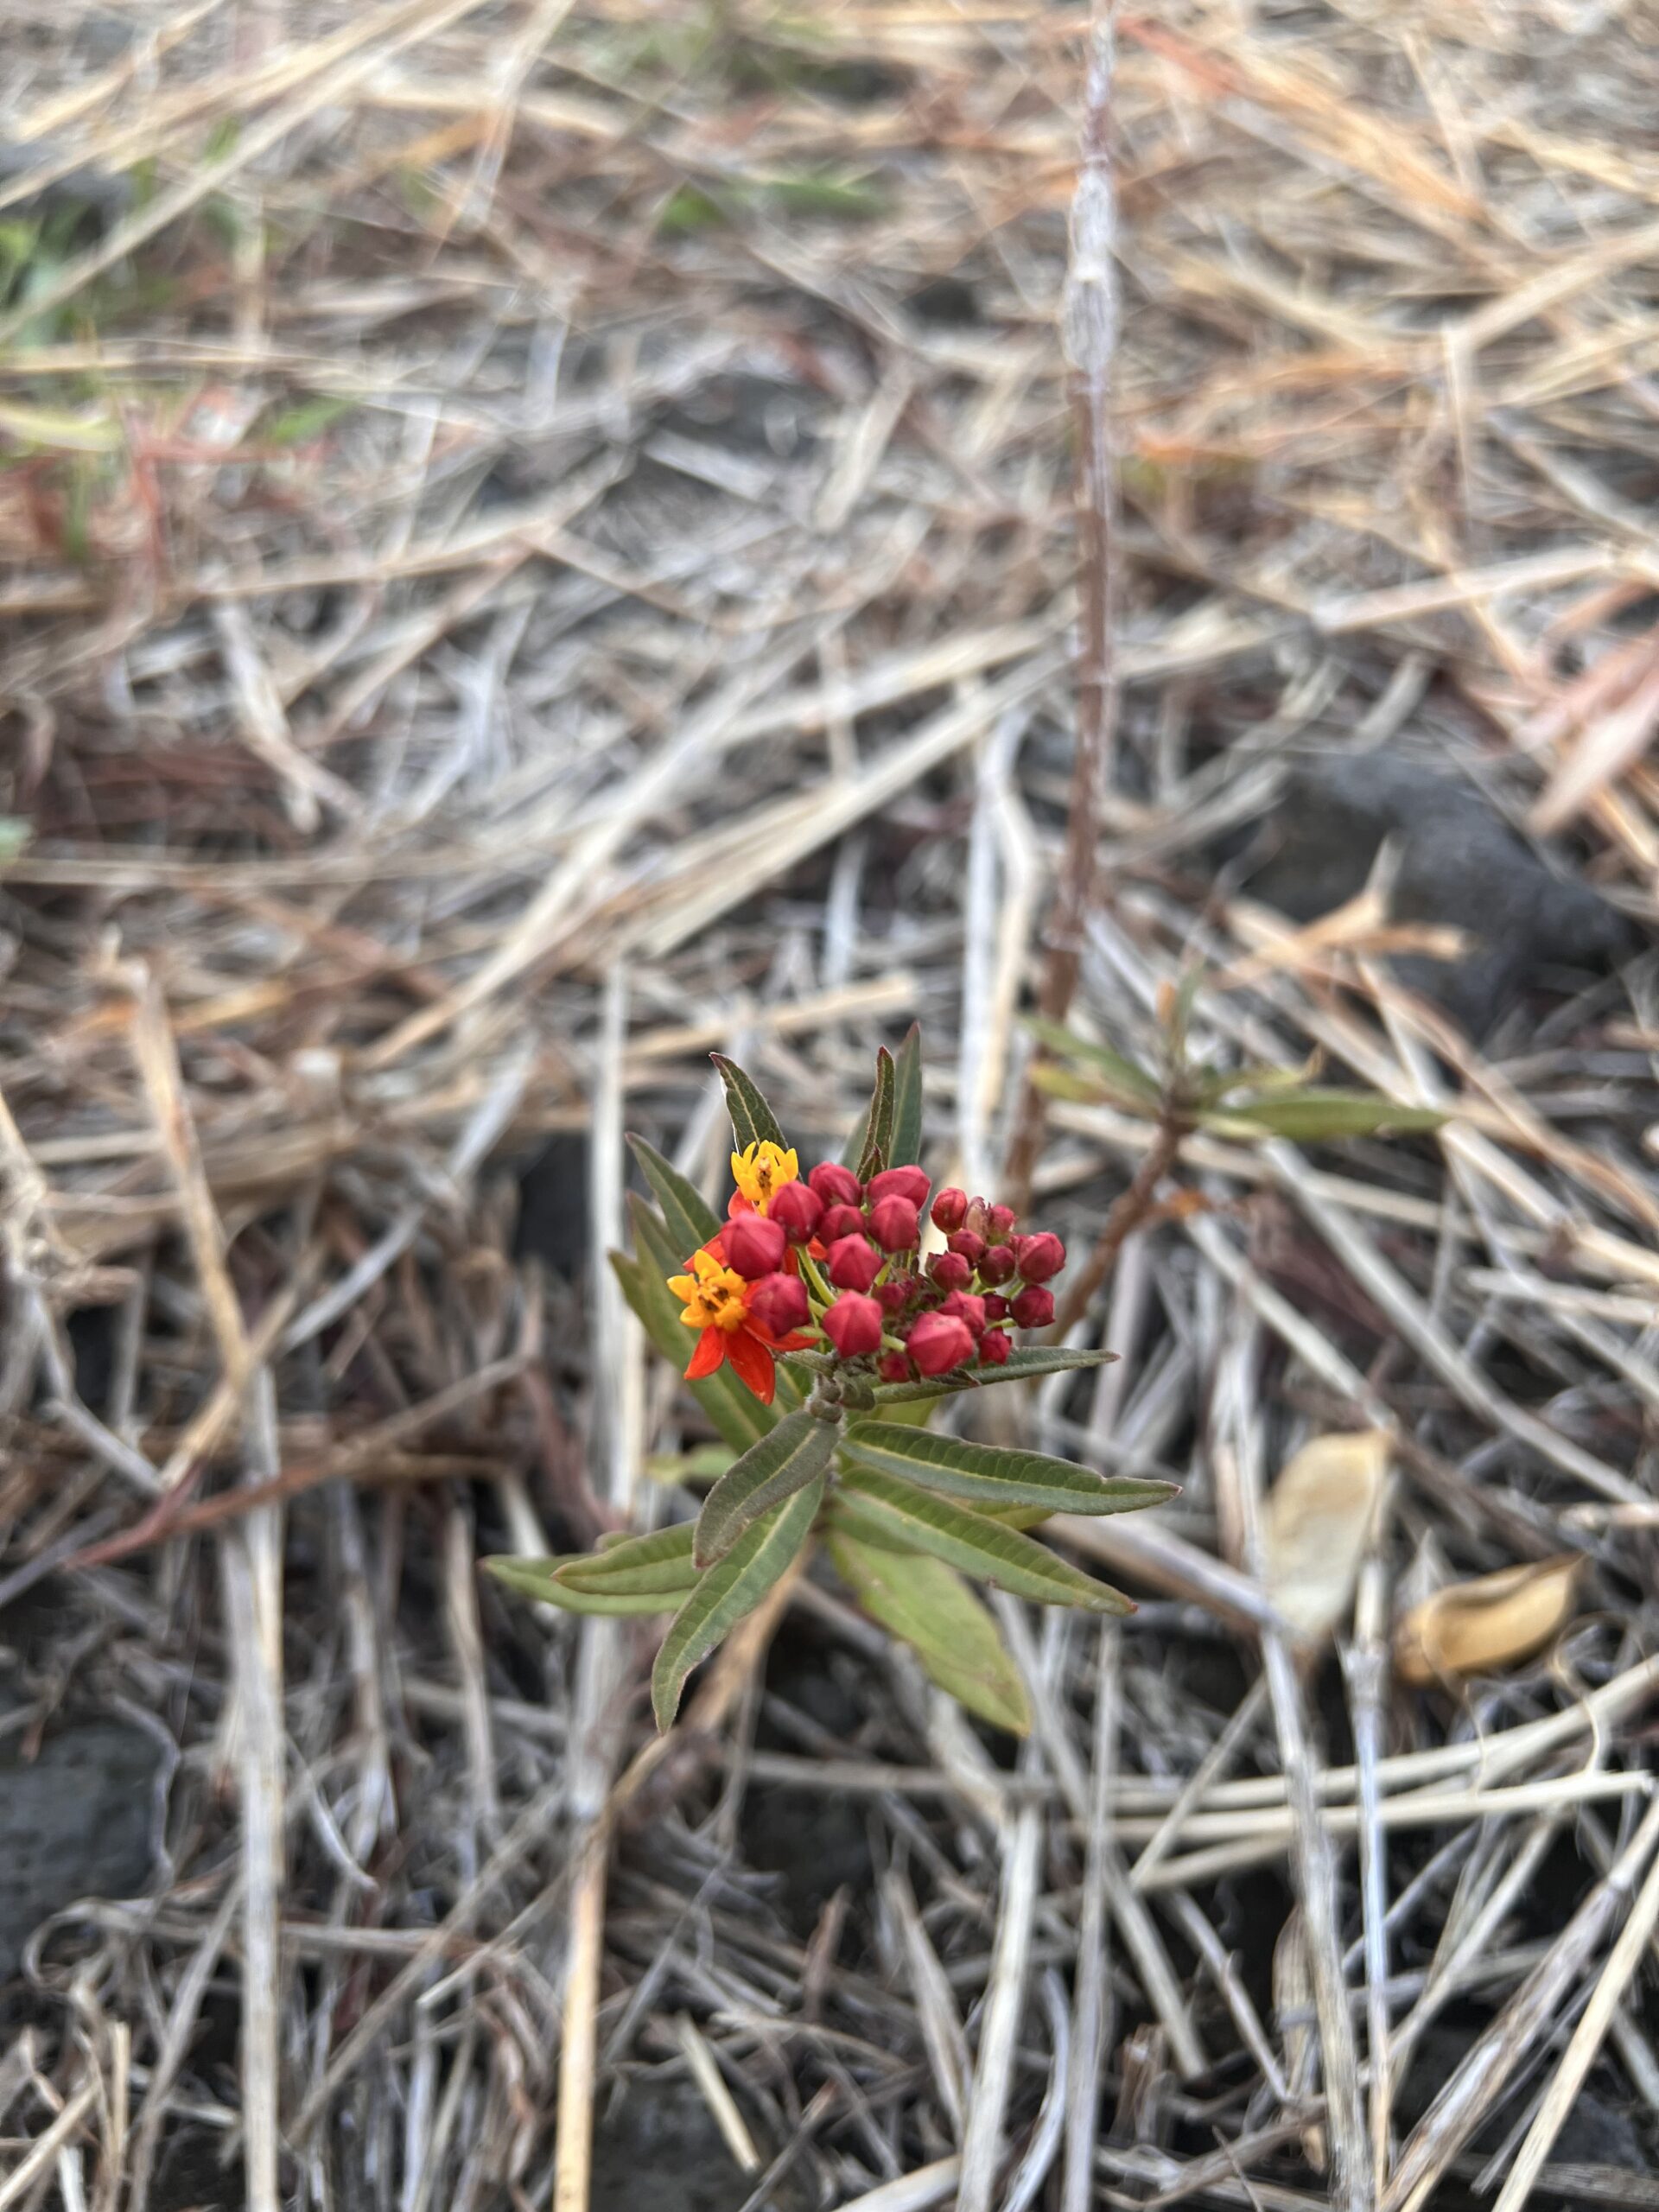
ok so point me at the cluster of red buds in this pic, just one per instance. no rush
(843, 1258)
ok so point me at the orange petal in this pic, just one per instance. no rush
(711, 1349)
(753, 1362)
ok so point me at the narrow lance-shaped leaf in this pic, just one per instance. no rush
(752, 1120)
(688, 1217)
(756, 1563)
(995, 1475)
(906, 1148)
(1024, 1365)
(881, 1506)
(1309, 1116)
(1129, 1084)
(867, 1152)
(634, 1565)
(798, 1452)
(538, 1579)
(927, 1606)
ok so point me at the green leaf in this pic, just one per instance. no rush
(756, 1563)
(307, 419)
(868, 1154)
(798, 1452)
(879, 1505)
(1025, 1364)
(691, 1220)
(635, 1566)
(737, 1416)
(1130, 1084)
(752, 1120)
(1307, 1116)
(537, 1577)
(927, 1606)
(992, 1475)
(906, 1148)
(703, 1463)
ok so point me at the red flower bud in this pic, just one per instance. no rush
(893, 1224)
(939, 1342)
(966, 1308)
(755, 1244)
(894, 1294)
(1039, 1256)
(949, 1211)
(993, 1349)
(997, 1266)
(796, 1210)
(853, 1262)
(1034, 1309)
(839, 1222)
(951, 1271)
(1001, 1219)
(996, 1307)
(893, 1367)
(978, 1217)
(969, 1244)
(835, 1185)
(900, 1182)
(778, 1304)
(852, 1325)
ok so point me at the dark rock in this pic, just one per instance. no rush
(1458, 864)
(81, 1819)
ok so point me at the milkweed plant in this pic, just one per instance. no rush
(820, 1326)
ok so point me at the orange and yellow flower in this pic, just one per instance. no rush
(715, 1298)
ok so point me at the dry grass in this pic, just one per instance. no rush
(538, 541)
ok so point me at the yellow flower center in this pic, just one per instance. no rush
(712, 1295)
(762, 1171)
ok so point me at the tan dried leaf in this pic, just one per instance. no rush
(1319, 1519)
(1293, 2000)
(1495, 1621)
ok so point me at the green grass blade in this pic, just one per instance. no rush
(1311, 1116)
(882, 1506)
(691, 1221)
(752, 1120)
(993, 1475)
(927, 1606)
(756, 1563)
(798, 1452)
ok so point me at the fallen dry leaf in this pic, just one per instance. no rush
(1475, 1628)
(1293, 2000)
(1320, 1515)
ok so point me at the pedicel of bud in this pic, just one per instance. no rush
(852, 1325)
(966, 1308)
(900, 1182)
(797, 1210)
(894, 1294)
(950, 1211)
(993, 1349)
(996, 1306)
(969, 1245)
(852, 1262)
(755, 1244)
(951, 1271)
(1034, 1309)
(893, 1224)
(893, 1367)
(1001, 1223)
(837, 1185)
(997, 1266)
(779, 1303)
(939, 1342)
(1039, 1256)
(839, 1222)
